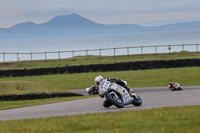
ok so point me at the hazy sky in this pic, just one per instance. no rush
(142, 12)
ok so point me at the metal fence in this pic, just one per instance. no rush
(6, 57)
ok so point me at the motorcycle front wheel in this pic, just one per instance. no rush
(117, 101)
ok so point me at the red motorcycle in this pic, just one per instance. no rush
(174, 87)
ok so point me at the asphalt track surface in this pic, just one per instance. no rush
(152, 97)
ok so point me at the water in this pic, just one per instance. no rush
(95, 42)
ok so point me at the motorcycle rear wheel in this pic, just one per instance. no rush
(180, 89)
(137, 101)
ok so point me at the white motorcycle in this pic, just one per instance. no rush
(118, 95)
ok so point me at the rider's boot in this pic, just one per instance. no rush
(130, 91)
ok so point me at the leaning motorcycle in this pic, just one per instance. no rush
(118, 95)
(176, 87)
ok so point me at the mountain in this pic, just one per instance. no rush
(74, 24)
(178, 27)
(69, 21)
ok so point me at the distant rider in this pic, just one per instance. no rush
(172, 86)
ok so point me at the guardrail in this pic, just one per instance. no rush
(5, 57)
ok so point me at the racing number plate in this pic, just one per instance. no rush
(106, 85)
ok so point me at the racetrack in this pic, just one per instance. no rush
(152, 97)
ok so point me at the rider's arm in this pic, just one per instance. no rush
(112, 80)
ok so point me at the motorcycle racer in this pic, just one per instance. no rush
(99, 80)
(174, 86)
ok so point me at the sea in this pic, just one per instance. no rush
(98, 45)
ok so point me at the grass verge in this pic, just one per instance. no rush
(25, 103)
(27, 87)
(85, 60)
(168, 119)
(186, 76)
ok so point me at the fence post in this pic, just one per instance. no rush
(45, 55)
(127, 50)
(197, 47)
(86, 52)
(183, 47)
(4, 57)
(59, 55)
(100, 53)
(31, 56)
(17, 57)
(141, 50)
(155, 49)
(169, 48)
(73, 54)
(114, 51)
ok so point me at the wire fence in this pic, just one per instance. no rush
(6, 57)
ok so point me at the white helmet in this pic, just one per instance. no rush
(98, 80)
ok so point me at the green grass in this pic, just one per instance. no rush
(165, 120)
(85, 60)
(186, 76)
(24, 87)
(17, 104)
